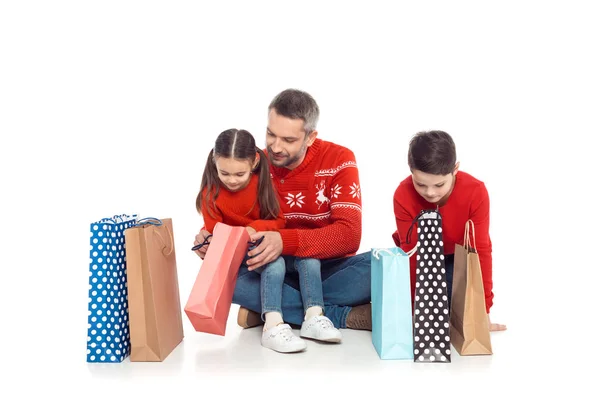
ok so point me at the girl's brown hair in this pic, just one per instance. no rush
(240, 145)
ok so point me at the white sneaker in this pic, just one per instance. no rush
(281, 338)
(320, 328)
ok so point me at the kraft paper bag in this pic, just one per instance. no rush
(154, 305)
(470, 334)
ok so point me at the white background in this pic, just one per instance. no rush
(111, 107)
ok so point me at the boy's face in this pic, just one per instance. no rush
(433, 188)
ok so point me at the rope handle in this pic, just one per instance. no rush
(469, 227)
(157, 222)
(148, 221)
(409, 254)
(415, 221)
(206, 242)
(163, 241)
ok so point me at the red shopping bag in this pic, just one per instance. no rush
(210, 300)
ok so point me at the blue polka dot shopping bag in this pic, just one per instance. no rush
(108, 324)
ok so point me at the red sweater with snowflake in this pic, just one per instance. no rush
(240, 208)
(468, 200)
(321, 202)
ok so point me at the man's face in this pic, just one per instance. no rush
(287, 142)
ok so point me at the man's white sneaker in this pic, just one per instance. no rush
(320, 328)
(281, 338)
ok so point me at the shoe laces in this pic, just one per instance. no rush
(286, 334)
(325, 323)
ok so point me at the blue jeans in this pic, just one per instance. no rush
(272, 277)
(346, 282)
(271, 286)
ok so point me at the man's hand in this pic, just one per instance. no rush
(200, 239)
(268, 251)
(495, 327)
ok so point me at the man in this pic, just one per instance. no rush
(318, 184)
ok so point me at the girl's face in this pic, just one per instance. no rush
(234, 174)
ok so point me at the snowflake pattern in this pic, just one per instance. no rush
(335, 191)
(355, 190)
(295, 200)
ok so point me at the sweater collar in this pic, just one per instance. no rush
(311, 153)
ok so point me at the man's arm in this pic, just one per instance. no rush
(339, 238)
(343, 233)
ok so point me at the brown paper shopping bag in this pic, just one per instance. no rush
(154, 306)
(469, 330)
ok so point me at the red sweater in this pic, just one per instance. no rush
(240, 208)
(321, 202)
(468, 200)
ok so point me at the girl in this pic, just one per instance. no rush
(236, 190)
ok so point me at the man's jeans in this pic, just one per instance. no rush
(346, 282)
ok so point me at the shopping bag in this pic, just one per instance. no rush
(392, 324)
(469, 330)
(108, 325)
(154, 306)
(210, 300)
(431, 333)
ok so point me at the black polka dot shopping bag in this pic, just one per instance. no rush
(108, 325)
(431, 327)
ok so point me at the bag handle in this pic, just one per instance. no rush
(469, 227)
(163, 241)
(157, 222)
(409, 254)
(148, 221)
(416, 220)
(206, 242)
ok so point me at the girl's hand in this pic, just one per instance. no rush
(200, 239)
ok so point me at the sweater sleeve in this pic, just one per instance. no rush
(211, 220)
(480, 215)
(341, 237)
(269, 224)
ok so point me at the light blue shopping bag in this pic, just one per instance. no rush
(108, 317)
(392, 332)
